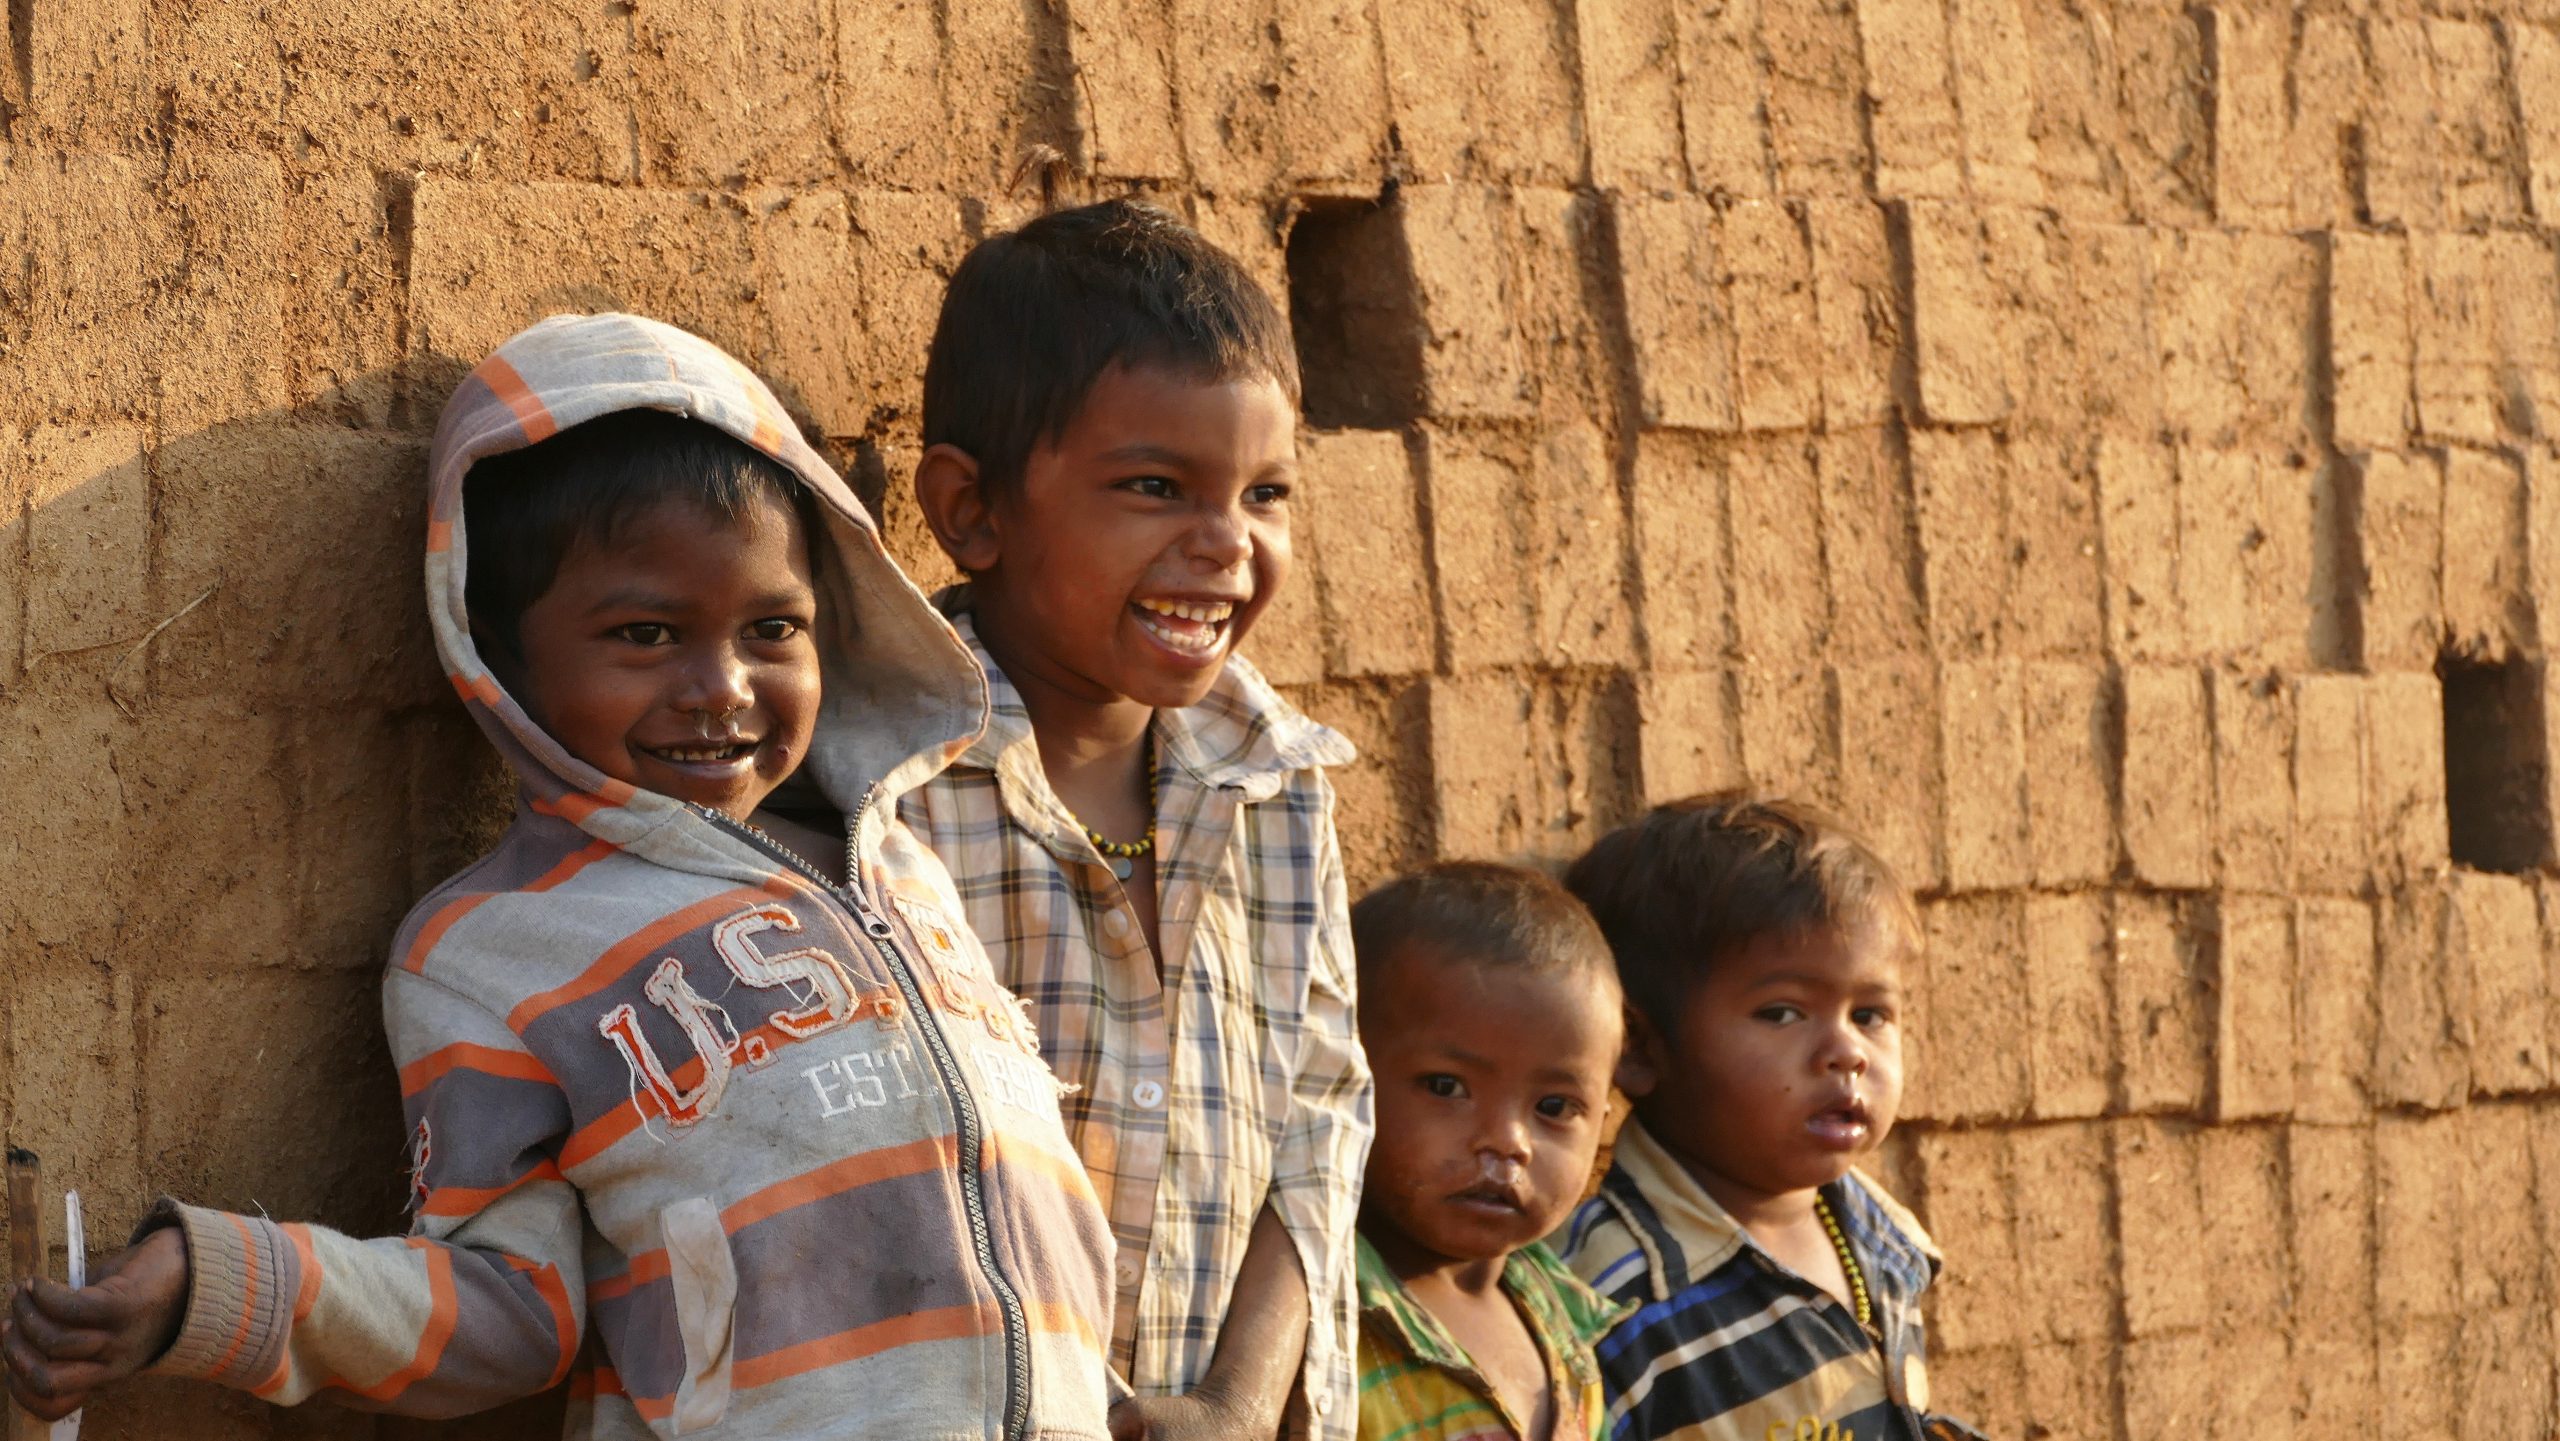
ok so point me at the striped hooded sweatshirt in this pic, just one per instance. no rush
(739, 1151)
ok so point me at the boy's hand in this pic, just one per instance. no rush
(62, 1344)
(1200, 1416)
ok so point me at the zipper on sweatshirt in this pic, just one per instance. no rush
(964, 1106)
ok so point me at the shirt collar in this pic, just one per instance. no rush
(1567, 1318)
(1242, 735)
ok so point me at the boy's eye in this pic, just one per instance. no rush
(647, 632)
(1559, 1108)
(1274, 493)
(1156, 486)
(774, 628)
(1872, 1016)
(1442, 1084)
(1779, 1014)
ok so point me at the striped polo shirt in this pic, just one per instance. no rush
(1725, 1343)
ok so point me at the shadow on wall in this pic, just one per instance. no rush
(230, 766)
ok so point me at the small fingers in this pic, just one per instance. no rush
(54, 1341)
(45, 1389)
(92, 1308)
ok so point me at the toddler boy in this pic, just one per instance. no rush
(744, 1138)
(1145, 833)
(1492, 1021)
(1762, 949)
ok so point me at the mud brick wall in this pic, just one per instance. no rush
(2106, 447)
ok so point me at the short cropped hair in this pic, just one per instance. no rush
(1479, 913)
(1033, 317)
(524, 510)
(1693, 882)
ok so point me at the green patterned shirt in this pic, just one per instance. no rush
(1418, 1384)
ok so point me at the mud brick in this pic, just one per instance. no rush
(2399, 535)
(2545, 1143)
(1679, 536)
(2055, 572)
(1985, 1387)
(2163, 1017)
(2404, 772)
(2542, 542)
(2166, 145)
(89, 538)
(2501, 1247)
(2198, 309)
(2333, 1010)
(86, 70)
(1910, 103)
(228, 299)
(2328, 773)
(2070, 730)
(489, 259)
(2329, 1177)
(71, 1054)
(2030, 277)
(1577, 541)
(1983, 741)
(2487, 584)
(2071, 1389)
(2418, 1359)
(2251, 1378)
(1685, 735)
(2078, 121)
(1224, 59)
(2493, 931)
(2421, 1004)
(2244, 1186)
(1333, 90)
(1631, 94)
(904, 247)
(1123, 53)
(1769, 273)
(434, 87)
(2475, 124)
(2525, 280)
(1856, 308)
(220, 74)
(2419, 1163)
(1361, 511)
(2253, 769)
(1973, 1213)
(257, 504)
(2456, 371)
(60, 781)
(2139, 539)
(2160, 1213)
(1995, 99)
(581, 87)
(2403, 147)
(2505, 1384)
(1787, 729)
(2070, 1049)
(1957, 315)
(1725, 127)
(1459, 76)
(2066, 1253)
(1890, 778)
(2328, 91)
(91, 248)
(2283, 560)
(1774, 518)
(1471, 359)
(1559, 245)
(815, 351)
(1484, 793)
(2255, 981)
(2250, 187)
(2112, 355)
(1678, 315)
(344, 299)
(1868, 547)
(1288, 643)
(2547, 911)
(1476, 545)
(2371, 348)
(1959, 483)
(2167, 780)
(356, 839)
(1816, 102)
(13, 570)
(2534, 62)
(1977, 959)
(218, 767)
(884, 102)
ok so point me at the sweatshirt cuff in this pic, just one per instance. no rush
(242, 1277)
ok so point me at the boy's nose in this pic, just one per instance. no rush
(1221, 539)
(718, 683)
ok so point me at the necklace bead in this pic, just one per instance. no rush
(1848, 1260)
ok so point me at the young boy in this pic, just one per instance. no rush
(1145, 833)
(744, 1139)
(1762, 949)
(1492, 1020)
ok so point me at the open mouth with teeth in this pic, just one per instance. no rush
(721, 754)
(1186, 627)
(1841, 1127)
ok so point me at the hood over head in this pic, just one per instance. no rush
(901, 695)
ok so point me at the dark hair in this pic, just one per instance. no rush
(1483, 914)
(522, 511)
(1033, 318)
(1693, 881)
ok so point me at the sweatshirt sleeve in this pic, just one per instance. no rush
(484, 1300)
(1324, 1147)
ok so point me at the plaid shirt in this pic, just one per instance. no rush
(1727, 1344)
(1233, 1080)
(1416, 1380)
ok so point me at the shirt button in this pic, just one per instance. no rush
(1323, 1402)
(1147, 1094)
(1116, 923)
(1128, 1270)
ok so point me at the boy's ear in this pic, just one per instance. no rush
(1640, 1061)
(956, 506)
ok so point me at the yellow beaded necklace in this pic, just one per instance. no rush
(1848, 1260)
(1124, 855)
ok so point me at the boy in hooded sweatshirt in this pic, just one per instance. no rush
(740, 1133)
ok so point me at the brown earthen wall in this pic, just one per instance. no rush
(2107, 447)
